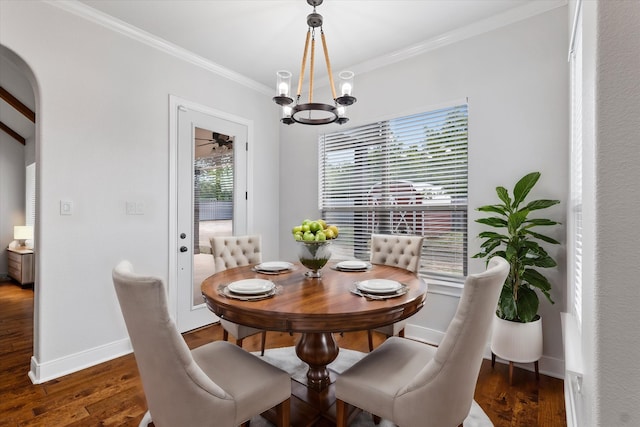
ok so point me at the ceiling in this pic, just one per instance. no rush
(255, 38)
(13, 81)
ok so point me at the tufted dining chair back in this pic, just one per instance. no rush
(413, 384)
(236, 251)
(216, 383)
(399, 251)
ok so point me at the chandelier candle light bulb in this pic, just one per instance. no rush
(283, 84)
(284, 89)
(346, 82)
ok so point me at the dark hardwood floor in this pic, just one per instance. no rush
(110, 394)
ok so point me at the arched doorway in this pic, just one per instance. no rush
(19, 118)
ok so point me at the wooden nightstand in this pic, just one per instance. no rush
(21, 265)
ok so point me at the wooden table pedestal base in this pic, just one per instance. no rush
(312, 408)
(317, 350)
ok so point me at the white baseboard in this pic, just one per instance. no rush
(420, 333)
(574, 369)
(549, 366)
(43, 372)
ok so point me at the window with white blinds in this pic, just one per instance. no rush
(575, 213)
(402, 176)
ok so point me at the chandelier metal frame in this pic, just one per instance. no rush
(305, 113)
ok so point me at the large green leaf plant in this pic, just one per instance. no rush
(519, 245)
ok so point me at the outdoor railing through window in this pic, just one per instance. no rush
(402, 176)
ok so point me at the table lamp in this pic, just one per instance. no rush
(21, 233)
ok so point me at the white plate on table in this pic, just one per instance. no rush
(379, 286)
(352, 265)
(251, 286)
(274, 266)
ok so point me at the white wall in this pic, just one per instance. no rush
(103, 123)
(611, 343)
(516, 80)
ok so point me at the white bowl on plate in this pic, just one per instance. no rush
(352, 265)
(379, 286)
(251, 286)
(274, 266)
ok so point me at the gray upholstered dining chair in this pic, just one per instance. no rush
(236, 251)
(413, 384)
(399, 251)
(215, 384)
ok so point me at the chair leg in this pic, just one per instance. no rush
(537, 371)
(225, 335)
(342, 413)
(264, 342)
(370, 336)
(493, 359)
(239, 342)
(401, 333)
(283, 411)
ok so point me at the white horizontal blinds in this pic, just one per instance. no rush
(575, 214)
(402, 176)
(212, 192)
(214, 177)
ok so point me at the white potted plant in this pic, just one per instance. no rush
(517, 330)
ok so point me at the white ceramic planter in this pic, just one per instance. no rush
(517, 342)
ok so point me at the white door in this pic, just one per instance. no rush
(210, 199)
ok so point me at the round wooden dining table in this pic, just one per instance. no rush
(316, 308)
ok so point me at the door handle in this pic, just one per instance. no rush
(183, 249)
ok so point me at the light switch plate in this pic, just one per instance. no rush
(66, 207)
(131, 208)
(135, 208)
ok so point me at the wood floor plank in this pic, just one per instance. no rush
(111, 394)
(61, 417)
(122, 407)
(551, 402)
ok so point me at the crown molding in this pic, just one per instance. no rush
(135, 33)
(501, 20)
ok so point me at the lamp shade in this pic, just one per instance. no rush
(23, 232)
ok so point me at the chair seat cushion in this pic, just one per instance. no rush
(244, 376)
(373, 383)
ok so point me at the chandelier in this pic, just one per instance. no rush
(313, 113)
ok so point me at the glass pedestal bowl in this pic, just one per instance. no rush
(314, 256)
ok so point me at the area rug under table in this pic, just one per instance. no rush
(286, 359)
